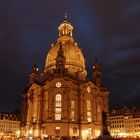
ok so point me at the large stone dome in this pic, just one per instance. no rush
(75, 61)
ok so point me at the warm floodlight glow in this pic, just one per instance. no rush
(97, 133)
(30, 132)
(18, 133)
(122, 134)
(46, 136)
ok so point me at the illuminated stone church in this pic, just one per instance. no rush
(61, 101)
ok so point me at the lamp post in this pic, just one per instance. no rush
(18, 133)
(30, 133)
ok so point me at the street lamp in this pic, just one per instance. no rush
(30, 134)
(18, 133)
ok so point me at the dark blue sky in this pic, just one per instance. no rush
(106, 29)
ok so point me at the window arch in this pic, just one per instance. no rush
(58, 99)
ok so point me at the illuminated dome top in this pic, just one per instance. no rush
(75, 62)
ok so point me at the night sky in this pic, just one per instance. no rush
(105, 29)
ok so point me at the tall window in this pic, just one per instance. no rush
(72, 110)
(72, 104)
(88, 105)
(57, 130)
(89, 111)
(99, 108)
(72, 115)
(74, 130)
(58, 100)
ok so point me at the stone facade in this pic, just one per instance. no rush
(61, 101)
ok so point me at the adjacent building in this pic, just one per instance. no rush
(9, 124)
(60, 101)
(125, 122)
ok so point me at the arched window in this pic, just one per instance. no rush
(58, 100)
